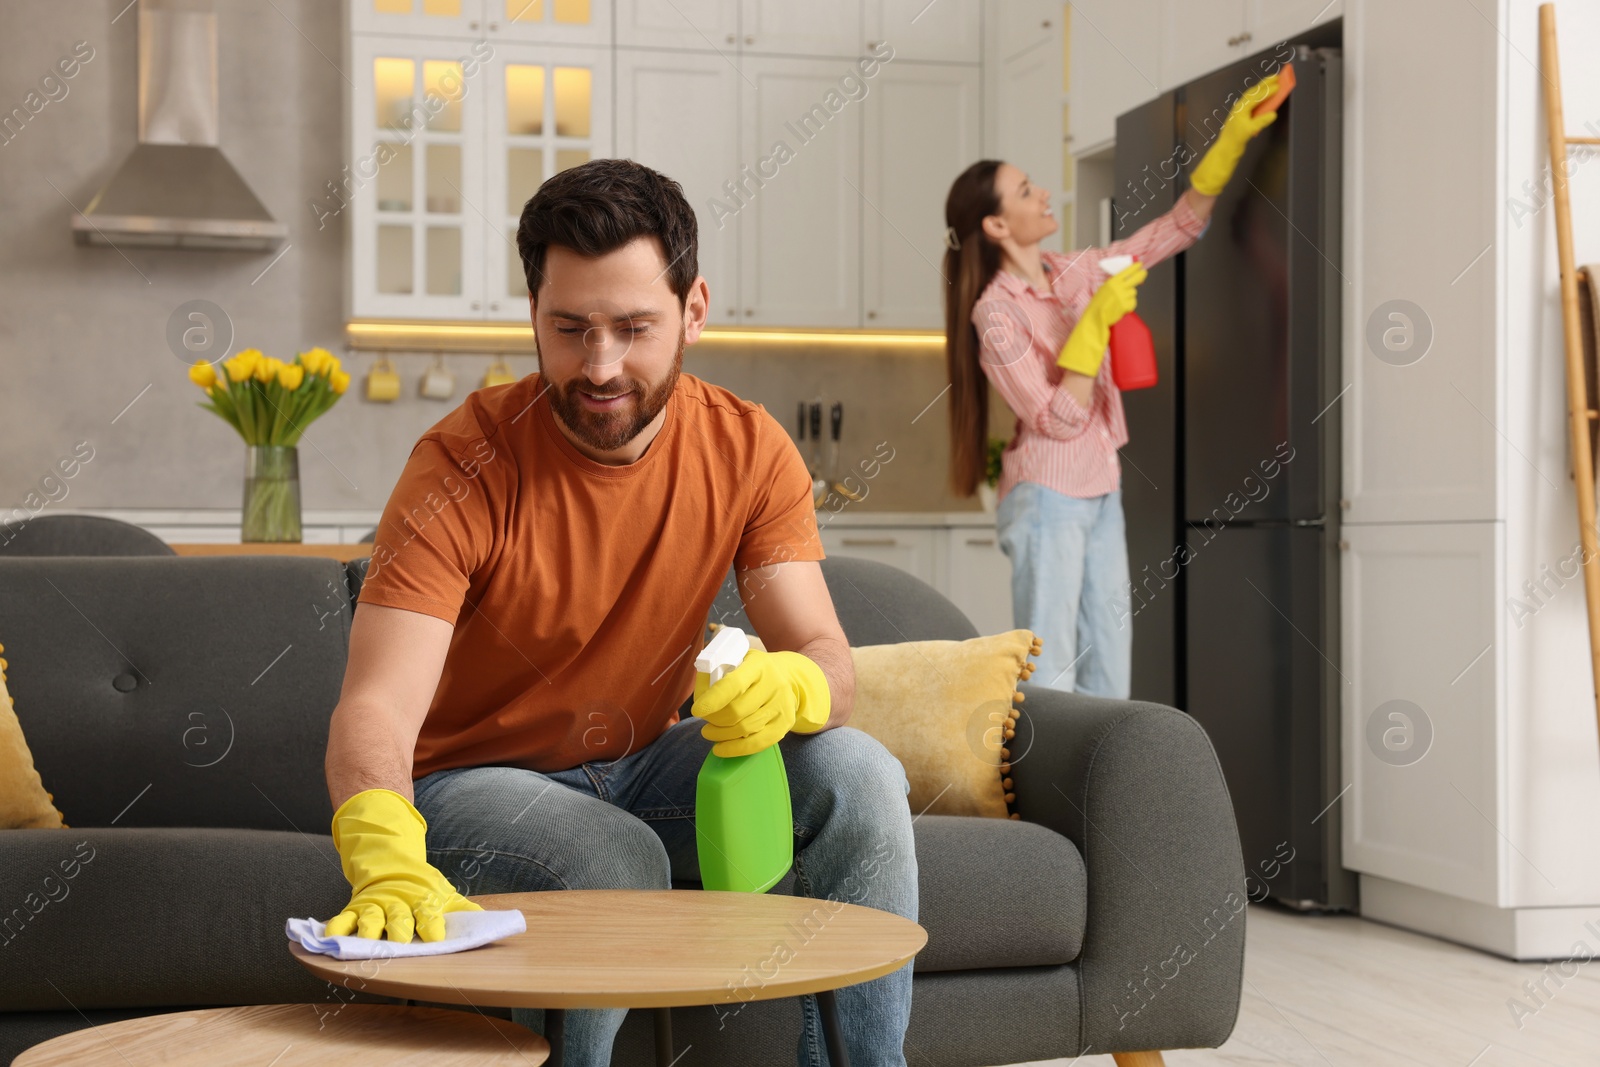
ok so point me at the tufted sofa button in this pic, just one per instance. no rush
(124, 682)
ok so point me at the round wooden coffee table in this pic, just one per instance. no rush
(630, 948)
(348, 1035)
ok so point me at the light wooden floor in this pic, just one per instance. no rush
(1331, 991)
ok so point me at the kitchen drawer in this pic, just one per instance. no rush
(909, 548)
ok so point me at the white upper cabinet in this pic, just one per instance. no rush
(1268, 22)
(1116, 65)
(660, 96)
(416, 179)
(813, 28)
(921, 131)
(699, 25)
(800, 215)
(548, 108)
(1022, 68)
(1200, 36)
(941, 30)
(546, 21)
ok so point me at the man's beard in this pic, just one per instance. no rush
(606, 431)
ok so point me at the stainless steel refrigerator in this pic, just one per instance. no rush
(1231, 472)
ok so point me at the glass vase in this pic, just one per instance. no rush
(271, 494)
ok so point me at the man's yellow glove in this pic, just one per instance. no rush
(1216, 166)
(1086, 345)
(764, 697)
(382, 843)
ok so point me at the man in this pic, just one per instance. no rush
(512, 711)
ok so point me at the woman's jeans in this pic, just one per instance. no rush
(1069, 585)
(629, 823)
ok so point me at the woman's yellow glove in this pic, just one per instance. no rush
(1086, 345)
(1216, 166)
(764, 697)
(382, 843)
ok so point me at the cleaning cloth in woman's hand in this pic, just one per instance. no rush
(462, 930)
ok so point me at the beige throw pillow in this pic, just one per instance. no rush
(945, 709)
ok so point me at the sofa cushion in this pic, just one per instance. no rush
(178, 690)
(122, 918)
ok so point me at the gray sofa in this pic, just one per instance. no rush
(178, 707)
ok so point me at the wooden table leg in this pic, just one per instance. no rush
(555, 1025)
(829, 1005)
(663, 1037)
(1138, 1059)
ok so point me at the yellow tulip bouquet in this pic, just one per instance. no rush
(271, 403)
(268, 401)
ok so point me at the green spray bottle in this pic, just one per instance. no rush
(743, 824)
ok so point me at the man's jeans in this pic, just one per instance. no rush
(629, 823)
(1069, 585)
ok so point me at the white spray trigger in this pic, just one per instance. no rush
(1116, 264)
(725, 651)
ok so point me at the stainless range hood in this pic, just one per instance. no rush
(176, 189)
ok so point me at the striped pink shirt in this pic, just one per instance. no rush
(1057, 442)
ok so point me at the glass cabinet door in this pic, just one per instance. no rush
(414, 183)
(549, 21)
(425, 18)
(548, 108)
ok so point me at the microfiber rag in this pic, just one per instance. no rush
(462, 930)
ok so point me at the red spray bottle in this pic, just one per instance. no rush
(1133, 350)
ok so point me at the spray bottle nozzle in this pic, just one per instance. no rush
(725, 651)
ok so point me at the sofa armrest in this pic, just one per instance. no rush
(1138, 788)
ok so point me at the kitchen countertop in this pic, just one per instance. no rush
(846, 516)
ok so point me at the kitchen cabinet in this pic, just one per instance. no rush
(1116, 65)
(921, 131)
(654, 90)
(800, 210)
(948, 31)
(1198, 36)
(541, 21)
(909, 548)
(814, 28)
(447, 139)
(1023, 87)
(548, 108)
(977, 577)
(416, 243)
(695, 25)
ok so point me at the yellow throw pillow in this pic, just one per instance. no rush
(24, 805)
(945, 709)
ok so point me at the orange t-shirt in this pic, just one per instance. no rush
(579, 591)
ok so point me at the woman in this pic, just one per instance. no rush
(1036, 325)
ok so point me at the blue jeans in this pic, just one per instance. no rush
(629, 823)
(1069, 585)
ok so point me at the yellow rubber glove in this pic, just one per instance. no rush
(760, 700)
(382, 843)
(1216, 166)
(1086, 345)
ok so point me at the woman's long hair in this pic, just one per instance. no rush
(968, 269)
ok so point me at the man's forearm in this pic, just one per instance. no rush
(833, 656)
(363, 753)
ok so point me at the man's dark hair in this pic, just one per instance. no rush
(599, 206)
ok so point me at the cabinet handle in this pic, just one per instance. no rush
(872, 46)
(732, 39)
(1046, 24)
(476, 306)
(749, 311)
(750, 39)
(876, 542)
(1232, 41)
(493, 26)
(872, 314)
(494, 305)
(733, 313)
(472, 25)
(1344, 545)
(1244, 37)
(980, 540)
